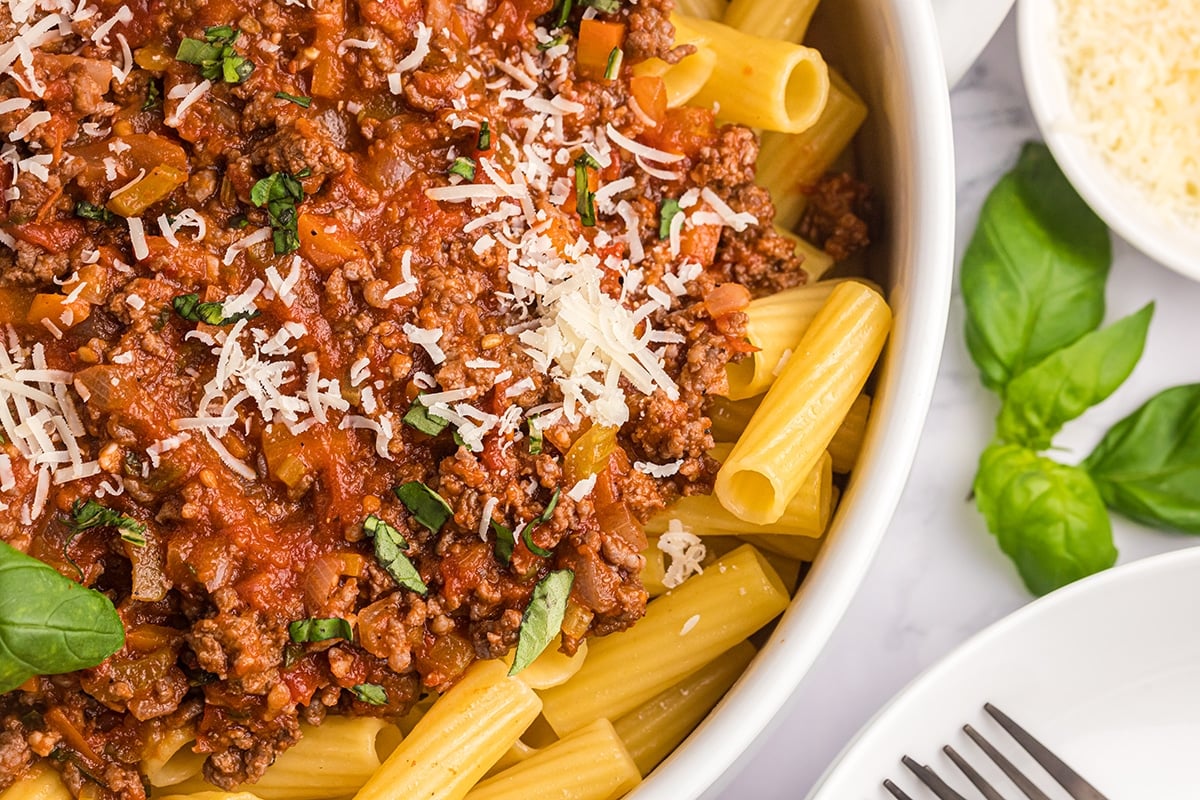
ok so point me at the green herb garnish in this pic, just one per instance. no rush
(585, 198)
(426, 505)
(527, 532)
(215, 56)
(300, 100)
(670, 209)
(535, 437)
(281, 193)
(552, 42)
(613, 68)
(464, 167)
(371, 693)
(543, 618)
(564, 12)
(316, 629)
(1033, 280)
(86, 210)
(50, 624)
(153, 95)
(189, 307)
(607, 6)
(239, 222)
(505, 541)
(88, 514)
(389, 552)
(485, 136)
(420, 418)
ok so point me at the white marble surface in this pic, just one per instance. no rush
(939, 577)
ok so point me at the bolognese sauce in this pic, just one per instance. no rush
(331, 329)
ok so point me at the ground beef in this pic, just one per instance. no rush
(650, 33)
(839, 216)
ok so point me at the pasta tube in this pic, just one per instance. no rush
(797, 548)
(682, 80)
(682, 630)
(590, 764)
(800, 414)
(789, 164)
(787, 21)
(466, 731)
(763, 83)
(42, 783)
(816, 261)
(213, 794)
(331, 759)
(774, 325)
(168, 760)
(655, 569)
(807, 513)
(847, 442)
(652, 730)
(551, 668)
(730, 417)
(704, 9)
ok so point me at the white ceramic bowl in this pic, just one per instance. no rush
(1123, 207)
(889, 51)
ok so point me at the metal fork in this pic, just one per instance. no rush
(1069, 779)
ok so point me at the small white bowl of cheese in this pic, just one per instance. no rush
(1115, 87)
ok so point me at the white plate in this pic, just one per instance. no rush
(1106, 673)
(966, 26)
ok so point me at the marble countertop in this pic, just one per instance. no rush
(939, 577)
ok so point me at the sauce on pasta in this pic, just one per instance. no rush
(333, 329)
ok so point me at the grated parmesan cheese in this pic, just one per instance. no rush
(685, 551)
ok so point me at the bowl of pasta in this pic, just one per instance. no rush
(478, 399)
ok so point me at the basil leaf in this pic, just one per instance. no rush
(90, 514)
(564, 12)
(607, 6)
(315, 629)
(464, 168)
(50, 624)
(389, 552)
(1147, 466)
(670, 209)
(189, 307)
(527, 533)
(1048, 518)
(86, 210)
(419, 417)
(535, 437)
(426, 505)
(280, 193)
(371, 693)
(543, 618)
(215, 56)
(1056, 390)
(505, 542)
(615, 57)
(585, 198)
(485, 136)
(1033, 274)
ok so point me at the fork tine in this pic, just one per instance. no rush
(895, 790)
(985, 788)
(930, 778)
(1068, 778)
(1015, 775)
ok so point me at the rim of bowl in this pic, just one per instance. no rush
(926, 187)
(1124, 208)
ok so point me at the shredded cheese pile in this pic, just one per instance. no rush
(1133, 67)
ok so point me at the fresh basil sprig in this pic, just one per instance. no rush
(1034, 272)
(1039, 401)
(426, 505)
(280, 193)
(215, 56)
(48, 623)
(189, 307)
(543, 617)
(320, 629)
(1048, 517)
(389, 552)
(1147, 467)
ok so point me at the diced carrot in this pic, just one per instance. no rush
(61, 314)
(597, 40)
(324, 241)
(14, 305)
(650, 93)
(155, 186)
(71, 734)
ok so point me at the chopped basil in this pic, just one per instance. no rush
(292, 652)
(419, 417)
(670, 209)
(585, 198)
(190, 308)
(543, 618)
(238, 222)
(88, 514)
(535, 437)
(371, 693)
(315, 629)
(553, 42)
(614, 64)
(505, 542)
(215, 56)
(464, 167)
(281, 193)
(607, 6)
(153, 95)
(485, 136)
(424, 504)
(389, 552)
(86, 210)
(564, 12)
(527, 533)
(300, 100)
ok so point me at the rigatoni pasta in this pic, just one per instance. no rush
(787, 21)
